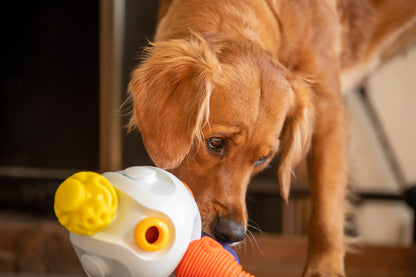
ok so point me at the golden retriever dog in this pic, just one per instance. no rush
(227, 85)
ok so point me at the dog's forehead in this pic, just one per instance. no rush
(250, 92)
(254, 117)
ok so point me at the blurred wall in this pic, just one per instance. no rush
(382, 149)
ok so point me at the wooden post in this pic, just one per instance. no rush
(112, 14)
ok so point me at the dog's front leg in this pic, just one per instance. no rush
(328, 169)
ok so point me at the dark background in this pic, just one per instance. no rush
(49, 84)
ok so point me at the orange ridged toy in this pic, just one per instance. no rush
(207, 258)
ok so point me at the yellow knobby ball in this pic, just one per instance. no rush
(85, 203)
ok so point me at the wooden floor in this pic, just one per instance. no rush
(42, 248)
(272, 255)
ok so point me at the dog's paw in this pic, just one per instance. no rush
(318, 273)
(325, 266)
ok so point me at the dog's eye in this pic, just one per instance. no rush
(215, 144)
(261, 160)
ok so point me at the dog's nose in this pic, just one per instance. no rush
(229, 231)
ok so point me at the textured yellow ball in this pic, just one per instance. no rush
(85, 203)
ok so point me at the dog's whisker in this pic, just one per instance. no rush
(254, 245)
(253, 225)
(248, 240)
(258, 247)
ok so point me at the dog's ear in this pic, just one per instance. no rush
(171, 91)
(297, 132)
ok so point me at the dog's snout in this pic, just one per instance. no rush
(229, 231)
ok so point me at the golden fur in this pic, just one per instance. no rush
(229, 84)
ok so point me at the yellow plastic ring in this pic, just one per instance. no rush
(151, 234)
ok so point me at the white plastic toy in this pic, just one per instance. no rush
(141, 221)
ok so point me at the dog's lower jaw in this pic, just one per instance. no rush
(234, 244)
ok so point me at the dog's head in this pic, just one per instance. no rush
(215, 112)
